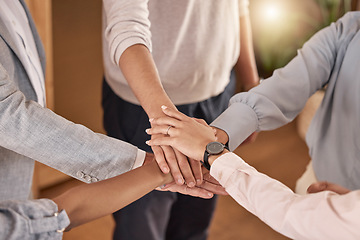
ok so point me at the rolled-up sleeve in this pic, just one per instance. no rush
(32, 219)
(126, 24)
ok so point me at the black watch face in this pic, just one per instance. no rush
(215, 148)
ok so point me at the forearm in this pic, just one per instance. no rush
(38, 133)
(88, 202)
(245, 68)
(138, 67)
(298, 217)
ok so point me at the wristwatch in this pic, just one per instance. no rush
(213, 148)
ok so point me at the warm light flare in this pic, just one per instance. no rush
(272, 12)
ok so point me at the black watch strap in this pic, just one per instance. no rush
(205, 161)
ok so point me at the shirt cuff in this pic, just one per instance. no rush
(225, 165)
(38, 218)
(140, 158)
(222, 162)
(239, 121)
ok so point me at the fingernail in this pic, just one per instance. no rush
(180, 180)
(147, 130)
(198, 181)
(210, 194)
(164, 107)
(165, 170)
(147, 142)
(151, 119)
(191, 184)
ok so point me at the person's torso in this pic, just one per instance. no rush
(195, 44)
(16, 170)
(334, 133)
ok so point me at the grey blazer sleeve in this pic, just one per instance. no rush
(31, 219)
(36, 132)
(280, 98)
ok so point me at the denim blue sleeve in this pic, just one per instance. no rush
(31, 219)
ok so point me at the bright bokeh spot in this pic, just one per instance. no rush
(272, 12)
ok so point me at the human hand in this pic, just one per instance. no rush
(221, 135)
(186, 134)
(206, 189)
(182, 169)
(212, 184)
(326, 186)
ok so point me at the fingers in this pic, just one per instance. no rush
(196, 169)
(184, 189)
(173, 164)
(160, 159)
(161, 129)
(201, 121)
(168, 121)
(162, 140)
(317, 187)
(326, 186)
(207, 177)
(172, 113)
(185, 168)
(214, 188)
(211, 184)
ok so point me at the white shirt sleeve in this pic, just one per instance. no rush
(244, 7)
(140, 158)
(126, 24)
(324, 215)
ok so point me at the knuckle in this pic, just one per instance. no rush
(182, 163)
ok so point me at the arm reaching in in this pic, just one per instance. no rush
(138, 67)
(326, 186)
(45, 218)
(322, 215)
(91, 201)
(206, 189)
(117, 192)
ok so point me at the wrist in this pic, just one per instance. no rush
(149, 158)
(162, 177)
(212, 158)
(212, 149)
(221, 135)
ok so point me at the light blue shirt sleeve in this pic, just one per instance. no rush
(280, 98)
(32, 219)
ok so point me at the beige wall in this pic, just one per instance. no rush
(71, 33)
(77, 61)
